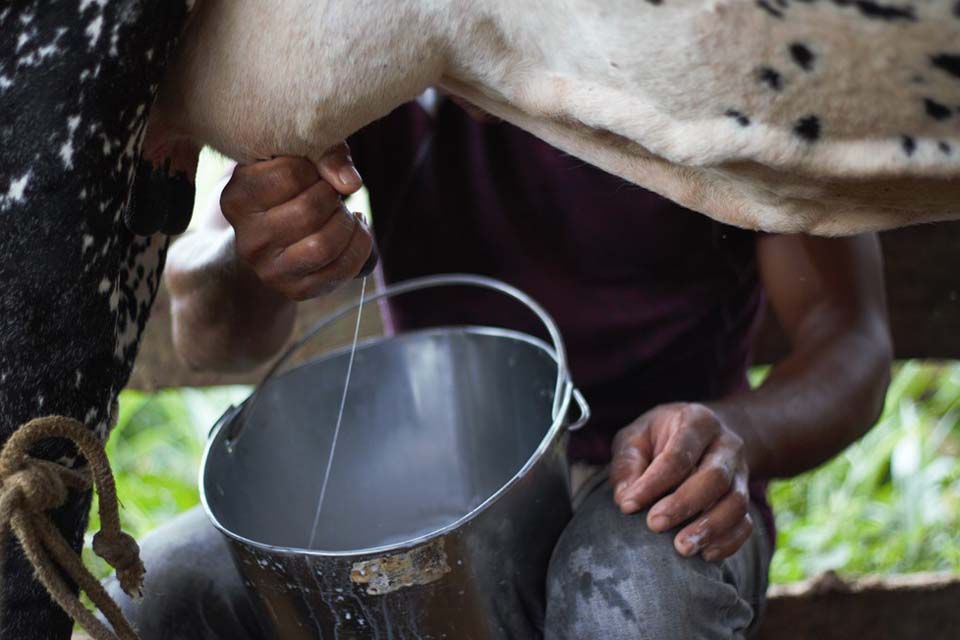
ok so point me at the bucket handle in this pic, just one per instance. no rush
(563, 392)
(584, 418)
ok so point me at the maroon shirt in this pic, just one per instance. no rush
(656, 303)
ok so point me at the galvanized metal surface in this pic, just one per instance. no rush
(447, 494)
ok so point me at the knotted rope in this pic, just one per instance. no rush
(31, 487)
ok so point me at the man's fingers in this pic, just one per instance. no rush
(264, 236)
(336, 167)
(730, 543)
(631, 455)
(291, 226)
(716, 522)
(686, 440)
(264, 185)
(628, 465)
(710, 482)
(665, 472)
(344, 268)
(317, 250)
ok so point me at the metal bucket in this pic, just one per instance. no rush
(447, 494)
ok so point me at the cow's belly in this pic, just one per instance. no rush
(785, 118)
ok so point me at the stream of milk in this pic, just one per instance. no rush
(336, 431)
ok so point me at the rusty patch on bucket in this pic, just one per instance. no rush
(422, 565)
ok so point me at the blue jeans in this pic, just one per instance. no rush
(610, 578)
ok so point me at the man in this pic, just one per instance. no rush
(657, 305)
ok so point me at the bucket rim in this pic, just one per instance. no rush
(556, 428)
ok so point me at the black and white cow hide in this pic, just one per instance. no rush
(77, 79)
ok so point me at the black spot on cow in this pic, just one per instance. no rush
(655, 2)
(161, 200)
(770, 77)
(936, 110)
(802, 55)
(945, 148)
(956, 9)
(808, 128)
(909, 145)
(879, 11)
(741, 119)
(949, 62)
(769, 8)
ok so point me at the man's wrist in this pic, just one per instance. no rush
(735, 414)
(260, 302)
(224, 317)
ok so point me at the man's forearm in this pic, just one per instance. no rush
(824, 396)
(224, 318)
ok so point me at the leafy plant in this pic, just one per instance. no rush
(890, 503)
(155, 452)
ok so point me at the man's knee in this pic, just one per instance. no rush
(611, 577)
(192, 590)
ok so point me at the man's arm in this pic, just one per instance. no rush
(691, 460)
(278, 232)
(828, 294)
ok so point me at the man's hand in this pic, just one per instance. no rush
(291, 226)
(687, 450)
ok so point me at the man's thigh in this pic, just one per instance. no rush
(192, 590)
(611, 577)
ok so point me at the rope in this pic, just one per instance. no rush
(31, 487)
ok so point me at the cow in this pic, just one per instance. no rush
(783, 115)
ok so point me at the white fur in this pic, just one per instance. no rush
(636, 89)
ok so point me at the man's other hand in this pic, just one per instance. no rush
(684, 461)
(292, 227)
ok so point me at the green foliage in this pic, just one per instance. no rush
(155, 452)
(889, 504)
